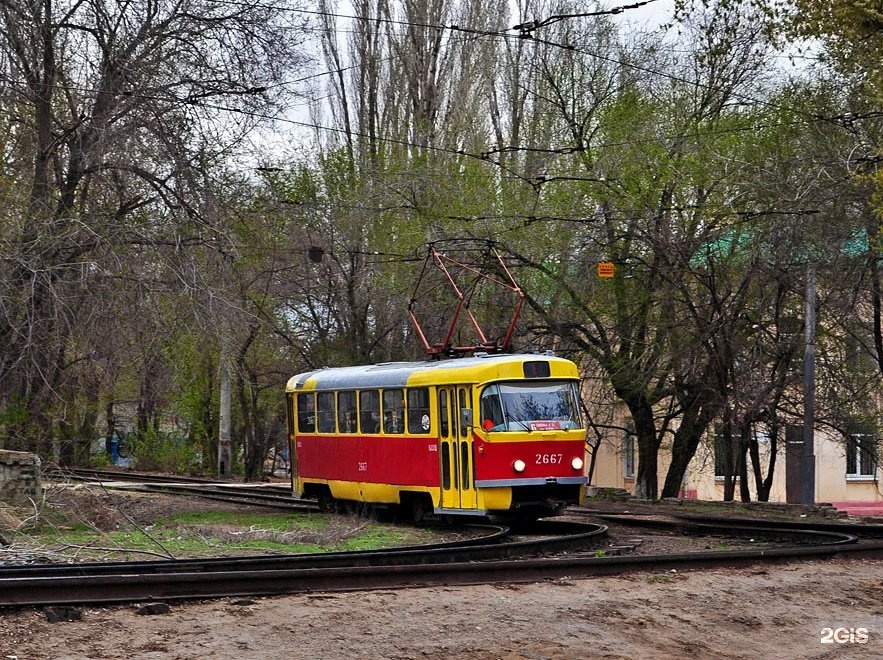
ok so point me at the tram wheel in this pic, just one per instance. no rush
(416, 508)
(327, 503)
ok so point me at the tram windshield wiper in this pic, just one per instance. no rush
(508, 419)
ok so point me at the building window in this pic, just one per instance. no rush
(720, 455)
(628, 454)
(861, 456)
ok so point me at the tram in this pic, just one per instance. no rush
(484, 435)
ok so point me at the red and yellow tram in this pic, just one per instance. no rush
(480, 435)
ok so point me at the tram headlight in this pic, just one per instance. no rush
(519, 465)
(577, 463)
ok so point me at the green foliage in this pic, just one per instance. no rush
(14, 414)
(162, 452)
(584, 145)
(100, 459)
(195, 386)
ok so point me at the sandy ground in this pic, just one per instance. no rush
(781, 611)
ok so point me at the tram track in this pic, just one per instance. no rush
(276, 574)
(864, 530)
(94, 474)
(561, 550)
(227, 493)
(259, 577)
(807, 534)
(272, 496)
(494, 543)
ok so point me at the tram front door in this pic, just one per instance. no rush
(455, 451)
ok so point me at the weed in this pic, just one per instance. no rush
(659, 578)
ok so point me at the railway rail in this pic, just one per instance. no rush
(264, 495)
(490, 559)
(277, 574)
(187, 579)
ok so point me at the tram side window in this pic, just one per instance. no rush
(369, 411)
(290, 413)
(465, 403)
(306, 413)
(491, 409)
(443, 412)
(393, 411)
(446, 465)
(325, 406)
(418, 410)
(346, 412)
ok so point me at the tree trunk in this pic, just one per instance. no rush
(698, 414)
(646, 479)
(726, 447)
(742, 465)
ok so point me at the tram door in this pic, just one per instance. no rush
(455, 439)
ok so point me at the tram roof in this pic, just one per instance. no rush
(401, 374)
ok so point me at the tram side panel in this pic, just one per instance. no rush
(404, 458)
(391, 464)
(319, 462)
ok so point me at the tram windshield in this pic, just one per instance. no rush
(530, 406)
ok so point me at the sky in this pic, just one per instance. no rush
(642, 19)
(650, 15)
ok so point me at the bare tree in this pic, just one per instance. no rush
(123, 108)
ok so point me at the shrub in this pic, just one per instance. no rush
(161, 452)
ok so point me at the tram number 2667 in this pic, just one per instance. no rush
(549, 459)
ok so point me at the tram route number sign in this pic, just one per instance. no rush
(545, 426)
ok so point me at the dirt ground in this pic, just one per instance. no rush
(778, 611)
(800, 610)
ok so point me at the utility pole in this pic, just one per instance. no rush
(808, 486)
(225, 443)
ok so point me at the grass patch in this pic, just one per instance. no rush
(383, 536)
(109, 526)
(219, 534)
(277, 521)
(659, 579)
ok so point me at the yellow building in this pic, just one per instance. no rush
(847, 473)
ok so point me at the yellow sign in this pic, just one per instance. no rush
(606, 269)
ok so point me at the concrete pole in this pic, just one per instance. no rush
(225, 443)
(808, 489)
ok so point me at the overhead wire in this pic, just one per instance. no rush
(486, 155)
(529, 218)
(526, 30)
(839, 119)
